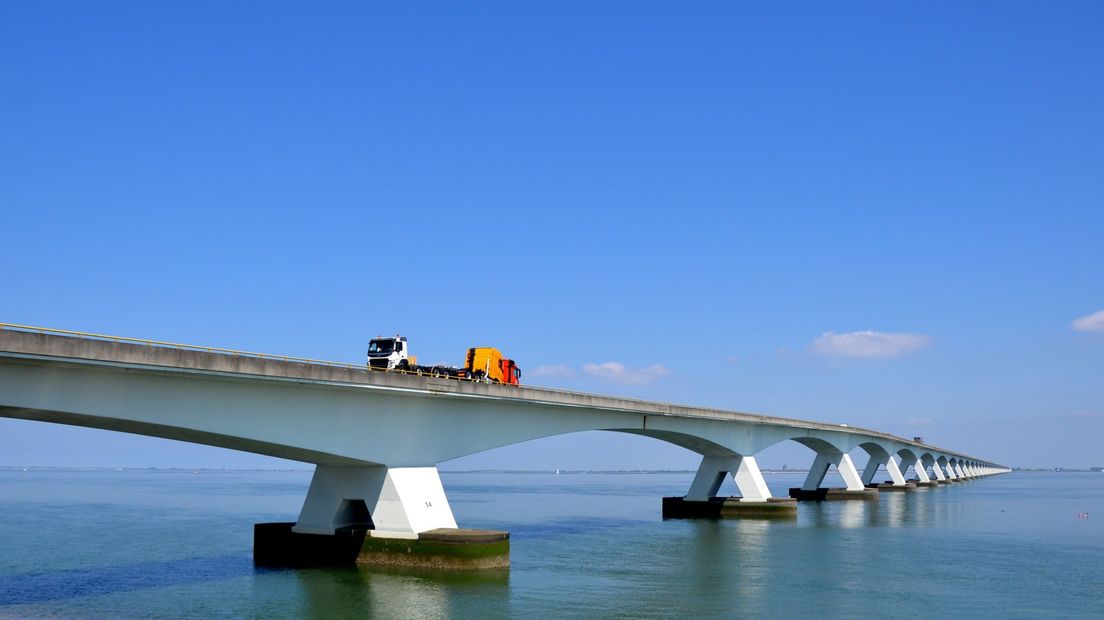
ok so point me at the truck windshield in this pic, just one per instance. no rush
(381, 347)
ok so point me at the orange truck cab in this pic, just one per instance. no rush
(488, 363)
(510, 372)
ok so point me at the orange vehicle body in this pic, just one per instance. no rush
(510, 372)
(489, 364)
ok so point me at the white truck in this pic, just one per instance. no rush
(389, 353)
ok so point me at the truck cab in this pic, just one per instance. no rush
(388, 353)
(511, 374)
(488, 364)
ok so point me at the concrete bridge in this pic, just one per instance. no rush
(377, 437)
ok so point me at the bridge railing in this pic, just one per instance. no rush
(172, 345)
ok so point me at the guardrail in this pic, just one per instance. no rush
(193, 347)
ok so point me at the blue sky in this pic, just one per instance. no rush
(709, 205)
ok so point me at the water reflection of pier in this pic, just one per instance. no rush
(371, 593)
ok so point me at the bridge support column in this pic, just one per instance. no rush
(897, 479)
(922, 478)
(396, 516)
(937, 472)
(755, 498)
(871, 468)
(398, 502)
(949, 470)
(812, 490)
(881, 458)
(843, 464)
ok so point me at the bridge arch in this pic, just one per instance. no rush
(831, 451)
(881, 456)
(911, 460)
(930, 463)
(694, 443)
(944, 463)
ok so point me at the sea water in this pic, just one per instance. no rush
(173, 544)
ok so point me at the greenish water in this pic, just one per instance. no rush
(176, 544)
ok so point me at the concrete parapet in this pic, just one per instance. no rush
(274, 544)
(822, 494)
(729, 507)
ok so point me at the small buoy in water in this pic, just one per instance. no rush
(1082, 515)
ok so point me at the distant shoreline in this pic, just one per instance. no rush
(41, 468)
(444, 471)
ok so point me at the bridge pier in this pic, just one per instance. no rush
(897, 480)
(922, 479)
(755, 498)
(373, 514)
(394, 502)
(812, 491)
(937, 475)
(948, 468)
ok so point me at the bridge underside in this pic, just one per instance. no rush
(150, 429)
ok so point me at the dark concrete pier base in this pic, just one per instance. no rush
(729, 507)
(820, 495)
(274, 544)
(442, 549)
(889, 486)
(930, 483)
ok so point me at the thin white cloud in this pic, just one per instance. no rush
(552, 370)
(617, 372)
(869, 344)
(1091, 323)
(920, 422)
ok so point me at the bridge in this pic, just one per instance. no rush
(376, 437)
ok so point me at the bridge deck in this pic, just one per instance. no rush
(19, 343)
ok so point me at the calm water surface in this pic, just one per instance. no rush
(177, 544)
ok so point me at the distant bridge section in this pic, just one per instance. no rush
(377, 436)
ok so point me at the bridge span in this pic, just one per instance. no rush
(376, 437)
